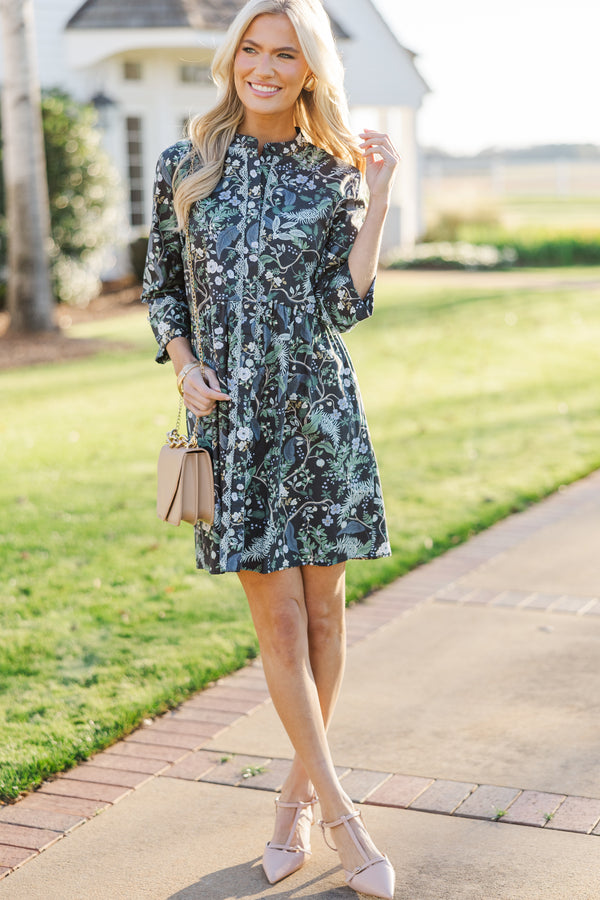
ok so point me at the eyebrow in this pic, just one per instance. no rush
(277, 49)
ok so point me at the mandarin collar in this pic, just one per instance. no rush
(271, 148)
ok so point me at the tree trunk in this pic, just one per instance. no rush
(30, 299)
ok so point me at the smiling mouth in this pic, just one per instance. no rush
(267, 89)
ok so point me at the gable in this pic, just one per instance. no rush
(205, 15)
(377, 64)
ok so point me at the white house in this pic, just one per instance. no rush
(145, 64)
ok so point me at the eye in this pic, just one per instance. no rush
(287, 56)
(248, 50)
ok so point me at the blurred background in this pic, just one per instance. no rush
(508, 135)
(492, 109)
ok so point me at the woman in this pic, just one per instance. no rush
(266, 197)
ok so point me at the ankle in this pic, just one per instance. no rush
(332, 812)
(297, 791)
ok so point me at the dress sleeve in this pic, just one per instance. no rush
(338, 301)
(164, 285)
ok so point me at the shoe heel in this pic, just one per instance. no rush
(374, 877)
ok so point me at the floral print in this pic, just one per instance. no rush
(296, 482)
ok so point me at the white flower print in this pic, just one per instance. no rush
(291, 454)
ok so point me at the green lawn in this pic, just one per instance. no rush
(557, 214)
(482, 395)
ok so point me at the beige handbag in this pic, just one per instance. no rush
(186, 489)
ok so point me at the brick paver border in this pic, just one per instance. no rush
(517, 806)
(171, 745)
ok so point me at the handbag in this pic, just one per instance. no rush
(186, 490)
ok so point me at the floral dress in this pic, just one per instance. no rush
(296, 482)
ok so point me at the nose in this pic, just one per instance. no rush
(264, 66)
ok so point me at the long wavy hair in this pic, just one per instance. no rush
(321, 113)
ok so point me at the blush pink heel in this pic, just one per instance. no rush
(280, 860)
(374, 877)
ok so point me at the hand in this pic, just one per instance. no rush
(200, 395)
(380, 172)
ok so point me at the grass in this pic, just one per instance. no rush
(471, 198)
(481, 394)
(560, 214)
(544, 231)
(466, 210)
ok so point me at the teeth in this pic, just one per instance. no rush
(264, 88)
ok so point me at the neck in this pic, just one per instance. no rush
(268, 129)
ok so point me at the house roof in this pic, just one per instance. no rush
(201, 14)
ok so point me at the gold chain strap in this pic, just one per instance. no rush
(195, 317)
(174, 438)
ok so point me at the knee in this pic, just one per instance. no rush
(283, 634)
(326, 628)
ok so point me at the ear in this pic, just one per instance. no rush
(310, 83)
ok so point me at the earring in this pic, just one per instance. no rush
(310, 83)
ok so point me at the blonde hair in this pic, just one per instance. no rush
(321, 114)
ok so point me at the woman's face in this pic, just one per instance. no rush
(269, 68)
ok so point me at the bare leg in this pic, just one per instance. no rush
(279, 611)
(324, 598)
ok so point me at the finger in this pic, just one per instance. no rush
(386, 155)
(204, 411)
(197, 410)
(380, 142)
(206, 393)
(381, 149)
(196, 387)
(199, 407)
(375, 136)
(212, 379)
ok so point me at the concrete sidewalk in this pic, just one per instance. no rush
(467, 727)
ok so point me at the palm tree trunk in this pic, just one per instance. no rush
(30, 300)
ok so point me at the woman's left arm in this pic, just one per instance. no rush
(364, 255)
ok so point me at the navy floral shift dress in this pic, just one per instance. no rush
(296, 481)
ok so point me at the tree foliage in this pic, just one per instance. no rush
(82, 187)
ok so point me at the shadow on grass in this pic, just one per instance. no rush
(446, 301)
(388, 316)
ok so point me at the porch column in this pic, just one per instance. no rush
(410, 180)
(390, 123)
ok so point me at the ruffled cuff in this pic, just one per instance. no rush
(168, 320)
(343, 307)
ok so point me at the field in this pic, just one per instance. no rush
(557, 197)
(481, 392)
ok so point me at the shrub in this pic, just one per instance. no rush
(560, 250)
(505, 251)
(450, 225)
(137, 256)
(82, 190)
(446, 255)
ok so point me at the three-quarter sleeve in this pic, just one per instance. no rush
(164, 284)
(338, 301)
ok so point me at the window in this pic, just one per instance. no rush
(193, 73)
(132, 71)
(135, 169)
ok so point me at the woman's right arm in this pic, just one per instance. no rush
(164, 292)
(164, 284)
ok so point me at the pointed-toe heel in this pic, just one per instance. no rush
(374, 877)
(281, 860)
